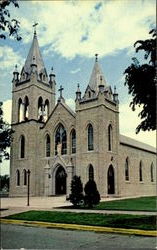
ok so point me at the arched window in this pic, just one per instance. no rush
(73, 141)
(90, 137)
(47, 145)
(17, 178)
(46, 109)
(20, 110)
(60, 140)
(109, 137)
(40, 109)
(22, 147)
(91, 172)
(127, 169)
(24, 177)
(152, 172)
(89, 94)
(26, 104)
(140, 172)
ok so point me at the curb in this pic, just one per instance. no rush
(81, 227)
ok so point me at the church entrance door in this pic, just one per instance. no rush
(60, 180)
(110, 178)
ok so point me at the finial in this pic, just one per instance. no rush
(34, 25)
(78, 85)
(96, 57)
(60, 90)
(15, 68)
(115, 90)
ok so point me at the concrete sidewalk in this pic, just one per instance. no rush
(11, 206)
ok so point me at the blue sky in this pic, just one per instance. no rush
(69, 35)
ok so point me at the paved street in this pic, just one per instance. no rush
(16, 237)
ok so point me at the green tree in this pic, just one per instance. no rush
(7, 24)
(76, 196)
(141, 82)
(92, 196)
(5, 136)
(4, 182)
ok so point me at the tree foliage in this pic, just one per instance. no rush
(5, 136)
(141, 82)
(92, 196)
(4, 182)
(76, 196)
(7, 24)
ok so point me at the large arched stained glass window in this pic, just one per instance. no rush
(127, 169)
(90, 137)
(61, 140)
(22, 147)
(47, 145)
(73, 141)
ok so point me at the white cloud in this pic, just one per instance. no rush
(9, 58)
(71, 103)
(7, 106)
(129, 120)
(77, 28)
(74, 71)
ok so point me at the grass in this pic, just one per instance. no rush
(132, 204)
(118, 221)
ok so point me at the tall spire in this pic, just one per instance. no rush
(34, 55)
(97, 77)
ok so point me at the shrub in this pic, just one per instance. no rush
(92, 196)
(76, 197)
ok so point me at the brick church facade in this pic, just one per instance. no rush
(55, 143)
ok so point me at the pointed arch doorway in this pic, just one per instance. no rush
(60, 181)
(111, 180)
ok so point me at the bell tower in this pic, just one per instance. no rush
(33, 99)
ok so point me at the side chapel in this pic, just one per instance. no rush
(55, 143)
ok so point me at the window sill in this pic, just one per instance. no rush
(127, 182)
(141, 182)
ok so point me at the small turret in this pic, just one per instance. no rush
(78, 93)
(52, 76)
(16, 74)
(115, 95)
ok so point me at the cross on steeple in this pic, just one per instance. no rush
(96, 57)
(34, 25)
(60, 90)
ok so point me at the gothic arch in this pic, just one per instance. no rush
(90, 170)
(26, 108)
(17, 177)
(24, 177)
(22, 146)
(90, 136)
(20, 110)
(73, 141)
(110, 137)
(60, 176)
(111, 180)
(127, 166)
(40, 108)
(152, 172)
(47, 145)
(47, 109)
(141, 171)
(60, 139)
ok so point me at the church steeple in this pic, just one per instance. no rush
(97, 77)
(34, 63)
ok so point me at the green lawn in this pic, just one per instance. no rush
(132, 204)
(118, 221)
(135, 204)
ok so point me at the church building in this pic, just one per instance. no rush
(53, 143)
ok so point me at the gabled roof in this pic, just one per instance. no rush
(136, 144)
(34, 57)
(97, 78)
